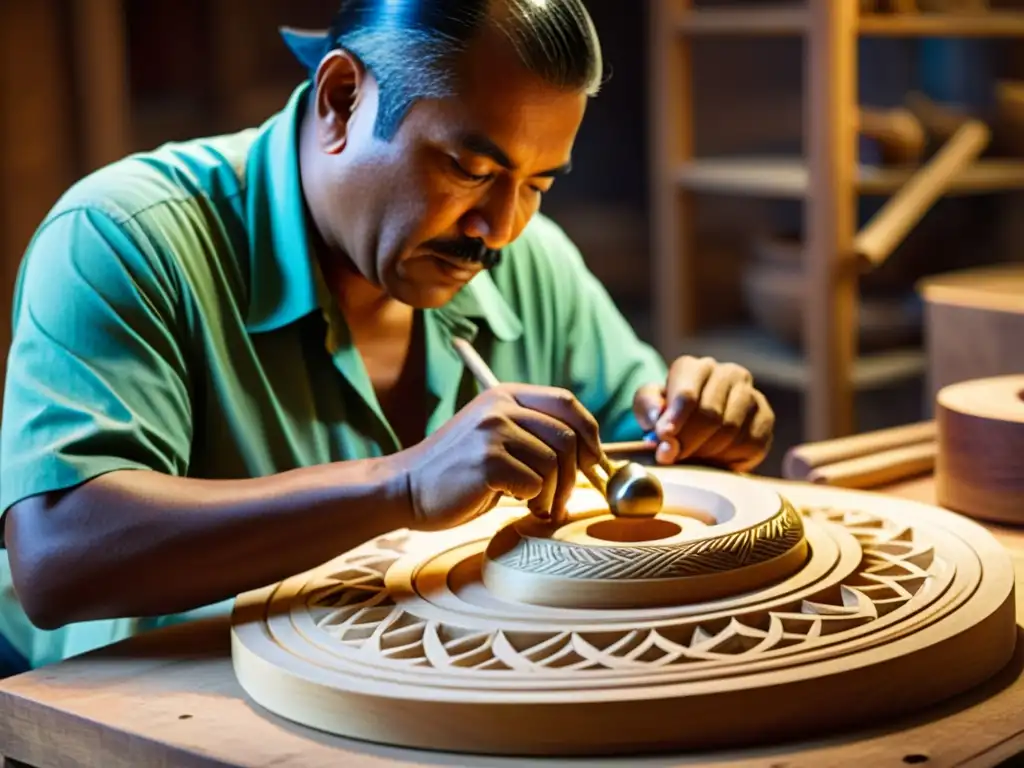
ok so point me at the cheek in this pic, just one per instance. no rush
(433, 208)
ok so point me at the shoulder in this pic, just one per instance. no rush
(175, 175)
(142, 217)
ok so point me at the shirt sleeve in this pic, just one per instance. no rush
(96, 376)
(604, 361)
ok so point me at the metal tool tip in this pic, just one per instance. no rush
(634, 492)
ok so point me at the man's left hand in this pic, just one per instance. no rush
(707, 411)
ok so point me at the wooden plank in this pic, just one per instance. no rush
(772, 362)
(994, 24)
(170, 698)
(789, 177)
(831, 309)
(759, 20)
(672, 220)
(784, 19)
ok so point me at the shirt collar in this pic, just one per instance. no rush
(284, 277)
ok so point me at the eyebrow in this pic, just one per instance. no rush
(479, 144)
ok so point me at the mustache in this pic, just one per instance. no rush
(468, 249)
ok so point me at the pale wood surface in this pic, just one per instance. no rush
(170, 698)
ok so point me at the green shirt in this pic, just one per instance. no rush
(169, 316)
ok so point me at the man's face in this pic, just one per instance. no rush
(464, 174)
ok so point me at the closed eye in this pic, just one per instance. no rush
(461, 171)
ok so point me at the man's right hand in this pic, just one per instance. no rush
(522, 440)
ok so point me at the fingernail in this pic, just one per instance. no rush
(653, 415)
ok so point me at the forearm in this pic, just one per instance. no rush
(135, 543)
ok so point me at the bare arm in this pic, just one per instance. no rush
(140, 543)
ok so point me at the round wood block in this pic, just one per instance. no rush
(979, 464)
(893, 606)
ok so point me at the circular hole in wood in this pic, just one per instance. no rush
(915, 759)
(633, 530)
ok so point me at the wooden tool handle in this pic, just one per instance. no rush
(879, 468)
(801, 460)
(597, 475)
(480, 370)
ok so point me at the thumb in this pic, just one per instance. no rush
(648, 405)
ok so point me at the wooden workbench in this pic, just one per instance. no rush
(169, 698)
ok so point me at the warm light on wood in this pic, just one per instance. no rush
(753, 622)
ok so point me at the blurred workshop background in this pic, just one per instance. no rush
(766, 183)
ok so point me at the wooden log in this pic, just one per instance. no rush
(878, 469)
(804, 460)
(901, 213)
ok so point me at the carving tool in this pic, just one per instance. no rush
(631, 491)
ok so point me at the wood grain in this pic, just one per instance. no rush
(974, 321)
(980, 466)
(170, 698)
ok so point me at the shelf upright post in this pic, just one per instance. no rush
(671, 145)
(100, 68)
(831, 301)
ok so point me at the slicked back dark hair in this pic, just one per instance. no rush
(411, 46)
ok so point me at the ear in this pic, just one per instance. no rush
(339, 85)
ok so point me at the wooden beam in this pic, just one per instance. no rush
(831, 311)
(36, 152)
(671, 126)
(101, 80)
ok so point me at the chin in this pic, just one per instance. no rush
(425, 296)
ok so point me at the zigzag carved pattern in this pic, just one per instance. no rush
(363, 618)
(772, 538)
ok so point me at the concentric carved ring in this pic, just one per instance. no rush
(898, 605)
(712, 540)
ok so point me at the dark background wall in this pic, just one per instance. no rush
(82, 83)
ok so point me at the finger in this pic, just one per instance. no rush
(562, 405)
(507, 473)
(561, 439)
(763, 426)
(696, 432)
(752, 444)
(723, 379)
(648, 405)
(686, 379)
(710, 419)
(667, 451)
(486, 505)
(739, 406)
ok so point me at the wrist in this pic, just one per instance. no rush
(397, 494)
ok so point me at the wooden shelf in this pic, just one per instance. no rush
(789, 177)
(772, 362)
(770, 21)
(791, 19)
(991, 24)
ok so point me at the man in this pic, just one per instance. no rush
(232, 357)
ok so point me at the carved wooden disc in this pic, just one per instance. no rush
(897, 605)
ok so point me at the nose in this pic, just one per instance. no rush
(493, 219)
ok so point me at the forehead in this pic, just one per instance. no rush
(499, 98)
